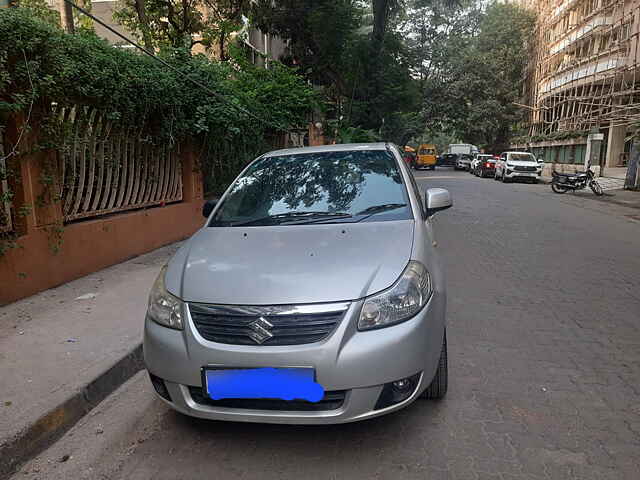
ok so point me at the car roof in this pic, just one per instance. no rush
(522, 153)
(342, 147)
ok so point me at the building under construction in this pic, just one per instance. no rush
(583, 75)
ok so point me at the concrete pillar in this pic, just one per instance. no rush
(594, 144)
(615, 146)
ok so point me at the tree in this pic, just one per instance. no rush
(320, 34)
(41, 10)
(66, 16)
(225, 17)
(141, 12)
(476, 78)
(497, 58)
(183, 23)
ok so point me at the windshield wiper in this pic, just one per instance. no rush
(381, 208)
(306, 216)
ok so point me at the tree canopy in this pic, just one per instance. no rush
(396, 70)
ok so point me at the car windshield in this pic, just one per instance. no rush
(324, 187)
(521, 157)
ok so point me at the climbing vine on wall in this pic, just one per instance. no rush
(235, 114)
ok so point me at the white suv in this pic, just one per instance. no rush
(512, 165)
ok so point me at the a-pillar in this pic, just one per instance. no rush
(615, 146)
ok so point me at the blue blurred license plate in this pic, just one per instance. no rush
(263, 383)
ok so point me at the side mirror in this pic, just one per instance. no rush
(540, 160)
(437, 200)
(208, 207)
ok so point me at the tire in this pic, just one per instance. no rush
(596, 187)
(558, 189)
(437, 389)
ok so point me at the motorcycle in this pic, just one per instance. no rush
(563, 182)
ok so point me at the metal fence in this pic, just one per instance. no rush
(107, 170)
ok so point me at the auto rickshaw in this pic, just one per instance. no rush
(427, 157)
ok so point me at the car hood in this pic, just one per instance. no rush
(285, 265)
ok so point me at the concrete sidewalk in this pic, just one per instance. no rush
(63, 350)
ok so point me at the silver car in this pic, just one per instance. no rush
(314, 294)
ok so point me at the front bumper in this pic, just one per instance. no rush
(359, 363)
(520, 174)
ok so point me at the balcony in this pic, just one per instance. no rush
(579, 33)
(580, 72)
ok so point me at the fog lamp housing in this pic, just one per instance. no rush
(397, 391)
(159, 386)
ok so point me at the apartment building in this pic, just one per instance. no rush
(583, 75)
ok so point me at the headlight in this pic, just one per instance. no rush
(164, 308)
(399, 303)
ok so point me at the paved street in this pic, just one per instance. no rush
(544, 351)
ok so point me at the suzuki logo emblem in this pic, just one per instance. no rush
(260, 330)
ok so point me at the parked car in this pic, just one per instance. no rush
(312, 295)
(463, 162)
(448, 160)
(523, 165)
(483, 165)
(426, 157)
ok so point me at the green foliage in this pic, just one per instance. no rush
(41, 65)
(347, 134)
(183, 23)
(320, 34)
(367, 84)
(440, 139)
(478, 77)
(41, 9)
(136, 90)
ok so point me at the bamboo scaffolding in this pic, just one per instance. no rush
(583, 69)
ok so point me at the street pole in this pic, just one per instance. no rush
(66, 16)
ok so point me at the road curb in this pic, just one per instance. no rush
(52, 425)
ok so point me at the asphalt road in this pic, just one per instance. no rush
(544, 352)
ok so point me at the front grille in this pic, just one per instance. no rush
(331, 401)
(520, 168)
(268, 326)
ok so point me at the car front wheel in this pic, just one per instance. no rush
(437, 389)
